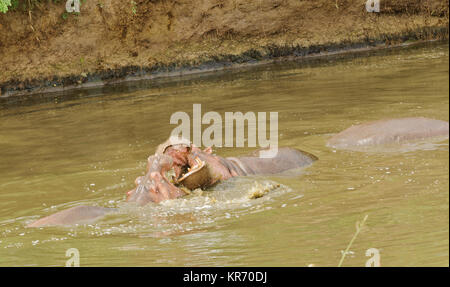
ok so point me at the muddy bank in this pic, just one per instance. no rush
(45, 49)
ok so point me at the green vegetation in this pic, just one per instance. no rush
(133, 7)
(4, 5)
(11, 5)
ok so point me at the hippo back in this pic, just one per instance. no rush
(73, 215)
(389, 131)
(286, 159)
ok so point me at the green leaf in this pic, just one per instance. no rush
(4, 5)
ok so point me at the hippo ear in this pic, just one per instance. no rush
(208, 150)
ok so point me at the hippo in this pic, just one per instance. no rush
(178, 167)
(78, 214)
(388, 132)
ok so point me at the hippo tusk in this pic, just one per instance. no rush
(197, 175)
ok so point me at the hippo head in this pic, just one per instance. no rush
(174, 163)
(155, 185)
(171, 160)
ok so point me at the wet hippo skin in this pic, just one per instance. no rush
(206, 168)
(155, 186)
(389, 131)
(78, 214)
(286, 159)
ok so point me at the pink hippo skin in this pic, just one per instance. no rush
(77, 214)
(184, 159)
(389, 131)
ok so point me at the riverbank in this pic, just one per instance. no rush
(49, 50)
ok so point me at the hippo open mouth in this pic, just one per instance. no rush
(158, 183)
(170, 175)
(196, 176)
(176, 169)
(179, 163)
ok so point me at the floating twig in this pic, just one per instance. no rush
(358, 229)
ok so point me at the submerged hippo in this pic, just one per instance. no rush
(178, 167)
(389, 131)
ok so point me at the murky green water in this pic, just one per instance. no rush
(87, 147)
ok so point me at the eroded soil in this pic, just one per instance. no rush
(110, 40)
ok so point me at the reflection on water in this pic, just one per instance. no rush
(86, 147)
